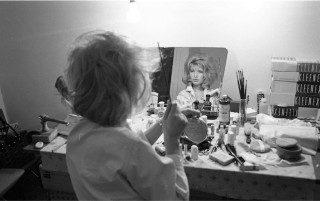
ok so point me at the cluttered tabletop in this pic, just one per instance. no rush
(269, 159)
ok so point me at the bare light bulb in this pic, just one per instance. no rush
(133, 14)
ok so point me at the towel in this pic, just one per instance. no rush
(307, 137)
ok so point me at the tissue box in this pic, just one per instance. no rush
(283, 99)
(296, 77)
(286, 76)
(294, 87)
(284, 64)
(283, 87)
(291, 99)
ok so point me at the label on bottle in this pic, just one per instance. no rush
(160, 113)
(224, 114)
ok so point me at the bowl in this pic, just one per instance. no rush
(291, 154)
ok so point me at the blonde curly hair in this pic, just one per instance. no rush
(107, 78)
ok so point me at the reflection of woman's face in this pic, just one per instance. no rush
(196, 74)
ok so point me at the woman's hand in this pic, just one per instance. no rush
(189, 112)
(173, 123)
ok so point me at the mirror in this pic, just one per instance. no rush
(168, 82)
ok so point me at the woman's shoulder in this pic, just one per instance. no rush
(186, 91)
(100, 134)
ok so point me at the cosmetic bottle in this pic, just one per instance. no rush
(161, 109)
(224, 110)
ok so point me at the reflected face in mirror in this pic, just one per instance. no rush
(196, 75)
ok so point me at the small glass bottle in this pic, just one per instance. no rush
(161, 109)
(207, 106)
(224, 110)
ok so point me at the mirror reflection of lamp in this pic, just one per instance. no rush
(133, 14)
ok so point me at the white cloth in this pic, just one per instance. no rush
(306, 136)
(186, 97)
(114, 163)
(303, 132)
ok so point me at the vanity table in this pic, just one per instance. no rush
(205, 176)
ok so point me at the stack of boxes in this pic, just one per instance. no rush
(295, 88)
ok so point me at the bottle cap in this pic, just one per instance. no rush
(234, 128)
(161, 103)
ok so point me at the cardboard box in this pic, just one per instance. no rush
(284, 64)
(55, 180)
(45, 137)
(53, 155)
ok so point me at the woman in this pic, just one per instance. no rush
(106, 160)
(199, 75)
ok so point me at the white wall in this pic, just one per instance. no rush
(34, 37)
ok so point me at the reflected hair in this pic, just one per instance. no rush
(209, 69)
(107, 77)
(62, 87)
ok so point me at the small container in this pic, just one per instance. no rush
(235, 129)
(231, 137)
(194, 152)
(204, 118)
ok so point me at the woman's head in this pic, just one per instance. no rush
(199, 70)
(107, 78)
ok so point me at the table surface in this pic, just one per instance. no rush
(274, 182)
(278, 180)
